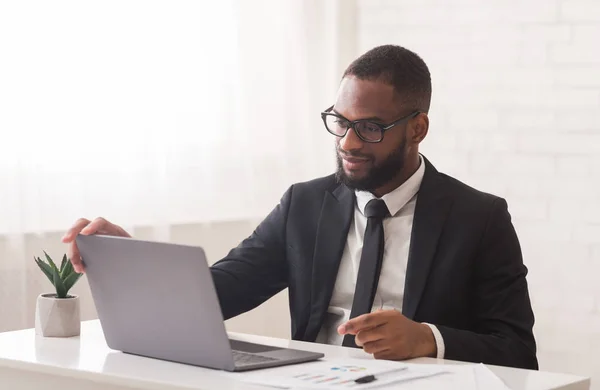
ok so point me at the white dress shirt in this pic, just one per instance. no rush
(390, 289)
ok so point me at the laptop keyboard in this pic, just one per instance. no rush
(242, 358)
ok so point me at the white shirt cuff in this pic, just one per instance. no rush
(439, 341)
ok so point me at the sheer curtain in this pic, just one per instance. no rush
(154, 114)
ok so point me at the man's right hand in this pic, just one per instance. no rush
(87, 227)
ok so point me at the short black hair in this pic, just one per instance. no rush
(399, 67)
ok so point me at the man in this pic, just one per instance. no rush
(388, 254)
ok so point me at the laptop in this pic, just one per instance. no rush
(158, 300)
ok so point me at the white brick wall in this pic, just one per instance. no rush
(516, 112)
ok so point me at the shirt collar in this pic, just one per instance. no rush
(398, 198)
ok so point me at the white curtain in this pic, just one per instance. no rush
(155, 113)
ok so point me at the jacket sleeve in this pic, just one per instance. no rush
(503, 319)
(256, 269)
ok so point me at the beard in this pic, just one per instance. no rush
(379, 174)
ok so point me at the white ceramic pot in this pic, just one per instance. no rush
(56, 317)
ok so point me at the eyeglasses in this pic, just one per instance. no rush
(366, 130)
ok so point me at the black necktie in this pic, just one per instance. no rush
(370, 263)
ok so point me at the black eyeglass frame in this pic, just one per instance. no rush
(351, 124)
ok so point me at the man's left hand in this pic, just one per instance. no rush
(387, 334)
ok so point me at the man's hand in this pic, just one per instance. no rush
(87, 227)
(387, 334)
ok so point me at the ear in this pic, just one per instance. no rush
(419, 126)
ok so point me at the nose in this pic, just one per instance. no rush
(350, 141)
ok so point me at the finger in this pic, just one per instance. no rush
(369, 335)
(75, 257)
(121, 232)
(376, 347)
(385, 354)
(363, 322)
(75, 230)
(98, 225)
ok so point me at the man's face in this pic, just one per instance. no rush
(362, 165)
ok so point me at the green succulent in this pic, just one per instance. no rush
(62, 278)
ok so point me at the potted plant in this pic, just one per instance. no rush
(58, 314)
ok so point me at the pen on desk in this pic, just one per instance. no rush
(371, 378)
(365, 379)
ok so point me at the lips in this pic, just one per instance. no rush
(354, 163)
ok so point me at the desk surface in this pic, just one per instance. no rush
(87, 357)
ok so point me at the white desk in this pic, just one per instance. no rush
(28, 361)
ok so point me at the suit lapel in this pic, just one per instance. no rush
(431, 210)
(332, 232)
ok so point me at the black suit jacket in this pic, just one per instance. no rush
(465, 271)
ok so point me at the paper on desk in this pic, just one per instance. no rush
(341, 374)
(453, 377)
(463, 377)
(486, 379)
